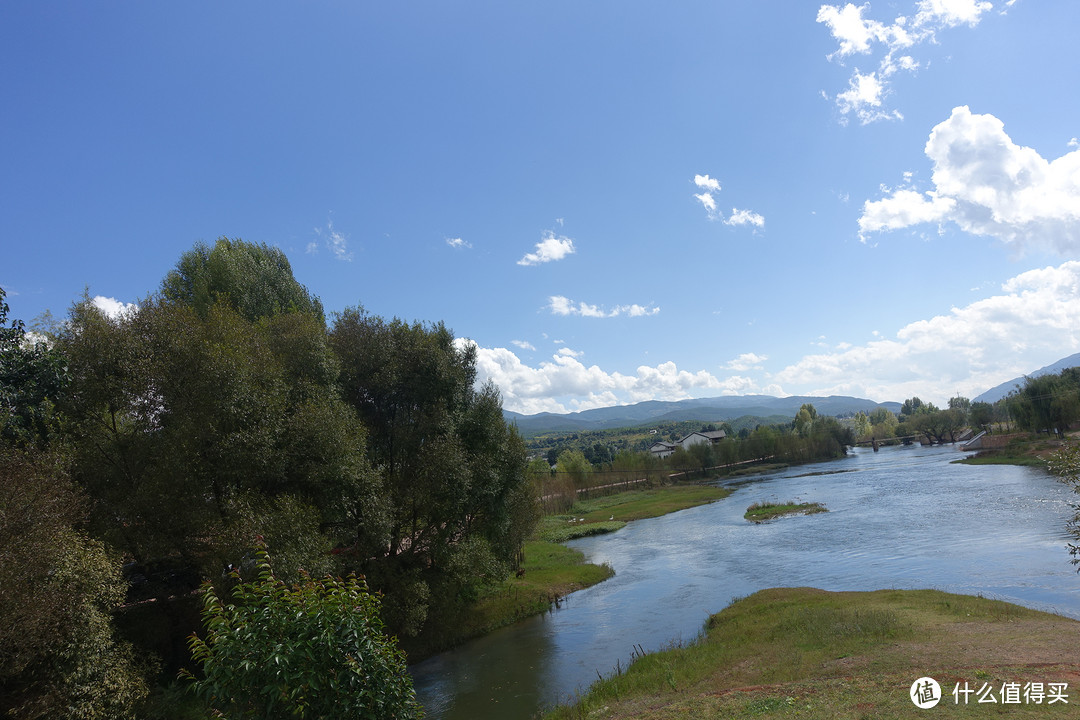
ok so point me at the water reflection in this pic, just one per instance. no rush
(901, 518)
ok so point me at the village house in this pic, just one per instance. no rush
(662, 449)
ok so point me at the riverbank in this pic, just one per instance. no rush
(552, 571)
(817, 654)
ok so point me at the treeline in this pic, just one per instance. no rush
(807, 438)
(603, 446)
(224, 414)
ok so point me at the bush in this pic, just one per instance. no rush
(312, 650)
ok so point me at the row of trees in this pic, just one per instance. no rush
(809, 437)
(224, 408)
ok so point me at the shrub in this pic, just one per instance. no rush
(312, 650)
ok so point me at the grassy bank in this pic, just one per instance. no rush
(553, 571)
(813, 654)
(612, 512)
(760, 512)
(1002, 459)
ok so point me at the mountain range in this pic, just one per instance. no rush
(731, 407)
(704, 409)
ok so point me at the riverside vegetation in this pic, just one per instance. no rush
(145, 452)
(800, 652)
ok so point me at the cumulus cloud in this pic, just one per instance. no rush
(746, 361)
(458, 243)
(334, 240)
(113, 308)
(565, 384)
(523, 344)
(745, 217)
(561, 305)
(857, 34)
(707, 198)
(1033, 321)
(988, 185)
(707, 183)
(549, 249)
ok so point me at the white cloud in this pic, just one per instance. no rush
(864, 98)
(950, 13)
(458, 243)
(745, 217)
(988, 185)
(746, 361)
(708, 201)
(523, 344)
(334, 240)
(859, 35)
(849, 27)
(549, 249)
(707, 183)
(1033, 322)
(565, 384)
(561, 305)
(113, 308)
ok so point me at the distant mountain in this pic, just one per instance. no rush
(996, 393)
(703, 409)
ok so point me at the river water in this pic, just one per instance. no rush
(900, 518)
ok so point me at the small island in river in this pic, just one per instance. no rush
(760, 512)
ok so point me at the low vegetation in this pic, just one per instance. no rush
(760, 512)
(611, 513)
(814, 654)
(551, 571)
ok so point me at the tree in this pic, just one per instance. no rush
(804, 419)
(32, 376)
(255, 279)
(453, 471)
(1047, 402)
(574, 465)
(193, 433)
(59, 654)
(1065, 463)
(981, 414)
(316, 649)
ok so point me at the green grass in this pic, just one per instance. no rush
(1002, 459)
(551, 572)
(760, 512)
(800, 652)
(611, 512)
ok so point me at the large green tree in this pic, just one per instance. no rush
(255, 279)
(459, 499)
(197, 426)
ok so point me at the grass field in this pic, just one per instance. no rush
(813, 654)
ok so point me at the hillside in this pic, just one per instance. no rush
(701, 409)
(996, 393)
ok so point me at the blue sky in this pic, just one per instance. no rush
(616, 201)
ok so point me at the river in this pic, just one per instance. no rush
(904, 517)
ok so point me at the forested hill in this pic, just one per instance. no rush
(703, 409)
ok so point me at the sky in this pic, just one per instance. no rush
(614, 201)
